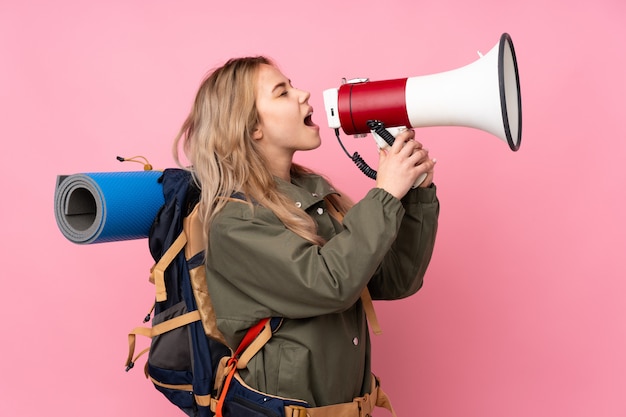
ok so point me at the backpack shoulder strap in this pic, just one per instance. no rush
(366, 298)
(193, 229)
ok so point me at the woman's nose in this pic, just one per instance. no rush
(304, 96)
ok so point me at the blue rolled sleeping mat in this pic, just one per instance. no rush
(107, 206)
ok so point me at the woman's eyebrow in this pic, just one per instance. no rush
(281, 85)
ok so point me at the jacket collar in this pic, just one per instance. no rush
(306, 190)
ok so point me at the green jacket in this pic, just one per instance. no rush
(321, 352)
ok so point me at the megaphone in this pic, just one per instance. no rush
(484, 95)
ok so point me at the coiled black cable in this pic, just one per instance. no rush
(358, 160)
(362, 165)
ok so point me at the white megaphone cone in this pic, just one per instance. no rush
(484, 95)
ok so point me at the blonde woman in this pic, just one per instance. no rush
(274, 249)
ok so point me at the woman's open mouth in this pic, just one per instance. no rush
(308, 120)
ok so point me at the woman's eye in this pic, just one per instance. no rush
(284, 93)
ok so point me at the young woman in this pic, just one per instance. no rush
(274, 250)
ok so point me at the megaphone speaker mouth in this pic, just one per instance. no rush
(510, 95)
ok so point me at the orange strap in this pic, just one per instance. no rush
(250, 336)
(264, 336)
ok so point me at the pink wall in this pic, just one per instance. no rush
(523, 309)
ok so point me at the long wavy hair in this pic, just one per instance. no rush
(217, 140)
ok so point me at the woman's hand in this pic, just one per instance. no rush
(400, 165)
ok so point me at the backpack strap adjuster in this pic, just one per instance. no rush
(157, 274)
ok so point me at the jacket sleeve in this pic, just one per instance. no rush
(402, 270)
(256, 261)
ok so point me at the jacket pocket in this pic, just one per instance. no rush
(293, 372)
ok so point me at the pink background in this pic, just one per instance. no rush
(522, 313)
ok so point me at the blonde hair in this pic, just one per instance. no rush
(216, 138)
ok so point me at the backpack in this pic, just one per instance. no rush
(188, 358)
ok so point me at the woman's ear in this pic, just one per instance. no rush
(257, 133)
